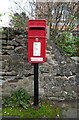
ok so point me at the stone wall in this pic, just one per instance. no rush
(57, 77)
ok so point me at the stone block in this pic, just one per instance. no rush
(12, 42)
(13, 81)
(41, 92)
(27, 66)
(4, 57)
(8, 78)
(60, 80)
(4, 42)
(0, 52)
(12, 73)
(8, 47)
(44, 69)
(20, 50)
(27, 83)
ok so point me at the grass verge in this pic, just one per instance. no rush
(42, 111)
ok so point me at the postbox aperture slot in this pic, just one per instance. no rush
(37, 28)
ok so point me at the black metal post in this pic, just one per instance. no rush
(36, 84)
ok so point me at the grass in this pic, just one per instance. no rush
(20, 104)
(42, 111)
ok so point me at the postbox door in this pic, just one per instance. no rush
(37, 50)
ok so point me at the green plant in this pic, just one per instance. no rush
(0, 17)
(68, 43)
(18, 98)
(19, 21)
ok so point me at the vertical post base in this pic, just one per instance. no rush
(36, 84)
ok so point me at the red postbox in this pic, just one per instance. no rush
(37, 41)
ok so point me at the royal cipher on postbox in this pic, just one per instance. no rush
(37, 41)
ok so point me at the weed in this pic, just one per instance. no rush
(17, 98)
